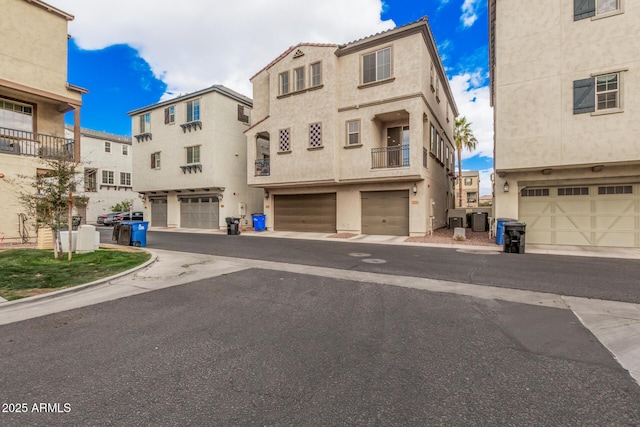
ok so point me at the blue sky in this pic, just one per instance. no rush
(130, 60)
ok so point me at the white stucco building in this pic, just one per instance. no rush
(189, 160)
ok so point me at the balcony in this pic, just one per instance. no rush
(13, 141)
(396, 156)
(262, 167)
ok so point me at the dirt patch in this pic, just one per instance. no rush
(342, 236)
(445, 236)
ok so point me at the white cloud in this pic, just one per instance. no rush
(469, 12)
(196, 43)
(473, 103)
(485, 182)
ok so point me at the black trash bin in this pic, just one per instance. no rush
(514, 240)
(124, 235)
(233, 226)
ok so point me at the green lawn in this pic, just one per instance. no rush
(28, 272)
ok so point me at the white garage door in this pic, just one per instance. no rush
(159, 211)
(583, 215)
(199, 212)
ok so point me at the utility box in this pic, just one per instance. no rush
(456, 222)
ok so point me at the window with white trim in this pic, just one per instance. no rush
(155, 160)
(170, 115)
(193, 154)
(107, 147)
(353, 132)
(90, 180)
(606, 6)
(16, 115)
(298, 75)
(316, 74)
(125, 179)
(145, 123)
(125, 150)
(108, 177)
(283, 83)
(607, 91)
(376, 66)
(193, 110)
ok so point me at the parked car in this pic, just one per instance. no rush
(124, 216)
(107, 219)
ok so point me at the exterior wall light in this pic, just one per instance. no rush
(266, 194)
(415, 189)
(506, 187)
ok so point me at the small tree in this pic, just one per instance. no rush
(463, 138)
(49, 203)
(123, 206)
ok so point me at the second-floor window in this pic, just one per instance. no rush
(193, 110)
(283, 83)
(107, 147)
(353, 132)
(145, 123)
(193, 154)
(169, 115)
(468, 181)
(125, 150)
(376, 66)
(599, 93)
(90, 180)
(107, 177)
(243, 115)
(298, 74)
(285, 140)
(584, 9)
(155, 160)
(472, 197)
(14, 115)
(125, 178)
(316, 74)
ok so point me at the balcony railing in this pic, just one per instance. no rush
(262, 167)
(13, 141)
(390, 157)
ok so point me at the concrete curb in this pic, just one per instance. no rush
(78, 288)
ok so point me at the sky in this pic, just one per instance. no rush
(134, 53)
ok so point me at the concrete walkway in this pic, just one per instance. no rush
(615, 324)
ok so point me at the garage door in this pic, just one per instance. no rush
(305, 212)
(583, 215)
(199, 212)
(159, 212)
(385, 212)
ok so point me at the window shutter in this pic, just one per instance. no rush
(153, 160)
(584, 97)
(189, 111)
(583, 9)
(166, 116)
(241, 113)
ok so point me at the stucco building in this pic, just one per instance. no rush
(355, 138)
(189, 160)
(107, 173)
(34, 97)
(565, 86)
(470, 182)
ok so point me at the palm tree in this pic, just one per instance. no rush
(463, 138)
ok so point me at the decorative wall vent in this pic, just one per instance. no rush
(298, 54)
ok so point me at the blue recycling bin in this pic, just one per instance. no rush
(138, 232)
(500, 229)
(259, 221)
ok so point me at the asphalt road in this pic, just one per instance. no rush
(270, 348)
(600, 278)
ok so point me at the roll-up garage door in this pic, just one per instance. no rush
(385, 212)
(199, 212)
(159, 212)
(305, 212)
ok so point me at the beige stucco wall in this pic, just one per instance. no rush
(34, 47)
(404, 100)
(223, 156)
(537, 62)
